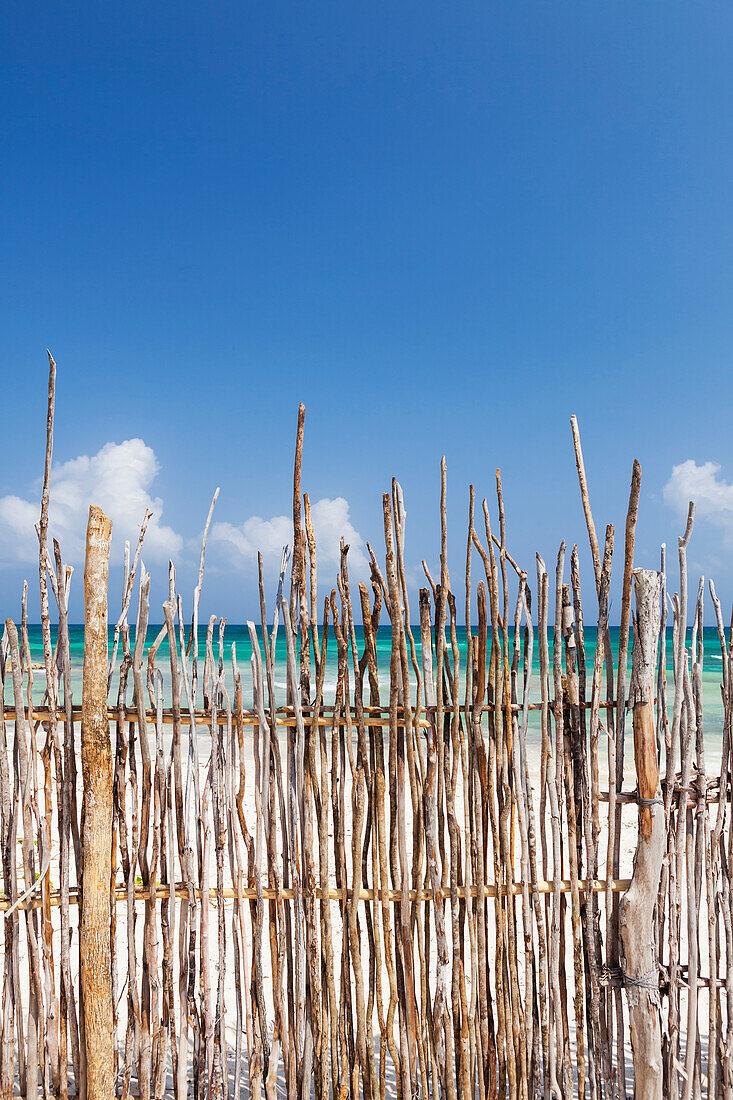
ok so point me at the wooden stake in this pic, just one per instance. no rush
(636, 909)
(96, 760)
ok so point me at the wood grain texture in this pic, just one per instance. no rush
(97, 810)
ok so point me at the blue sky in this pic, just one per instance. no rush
(444, 227)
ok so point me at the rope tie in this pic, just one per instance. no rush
(649, 981)
(611, 973)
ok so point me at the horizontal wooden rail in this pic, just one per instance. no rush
(249, 893)
(285, 716)
(629, 798)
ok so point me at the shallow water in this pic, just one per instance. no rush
(238, 635)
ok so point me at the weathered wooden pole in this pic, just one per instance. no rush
(636, 911)
(96, 764)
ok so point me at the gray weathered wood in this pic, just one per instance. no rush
(636, 910)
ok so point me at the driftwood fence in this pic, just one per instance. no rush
(369, 892)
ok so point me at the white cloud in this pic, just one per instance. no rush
(266, 535)
(330, 521)
(712, 494)
(117, 479)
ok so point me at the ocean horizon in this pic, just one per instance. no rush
(238, 636)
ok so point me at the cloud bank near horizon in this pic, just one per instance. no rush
(711, 493)
(119, 479)
(331, 523)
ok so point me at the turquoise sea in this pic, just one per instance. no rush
(239, 636)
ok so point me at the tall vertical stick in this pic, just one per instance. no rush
(638, 942)
(42, 548)
(96, 762)
(54, 1024)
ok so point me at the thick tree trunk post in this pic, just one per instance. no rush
(96, 763)
(638, 952)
